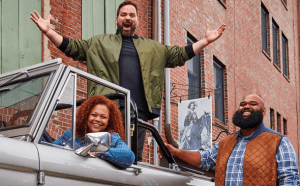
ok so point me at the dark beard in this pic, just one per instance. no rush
(120, 29)
(252, 121)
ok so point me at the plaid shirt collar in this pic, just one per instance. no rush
(258, 131)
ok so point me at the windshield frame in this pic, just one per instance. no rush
(54, 68)
(27, 79)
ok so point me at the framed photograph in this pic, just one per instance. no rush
(195, 124)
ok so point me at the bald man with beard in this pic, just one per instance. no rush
(254, 155)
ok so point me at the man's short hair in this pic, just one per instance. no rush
(127, 3)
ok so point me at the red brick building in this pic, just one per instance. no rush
(258, 53)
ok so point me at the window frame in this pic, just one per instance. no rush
(266, 40)
(195, 60)
(276, 52)
(285, 60)
(272, 119)
(285, 127)
(223, 3)
(284, 2)
(219, 115)
(54, 129)
(279, 123)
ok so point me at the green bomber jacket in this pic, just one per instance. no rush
(102, 52)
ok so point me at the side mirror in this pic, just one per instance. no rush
(98, 142)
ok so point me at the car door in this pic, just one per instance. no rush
(59, 163)
(21, 95)
(19, 163)
(64, 167)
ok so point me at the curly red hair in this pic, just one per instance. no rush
(115, 123)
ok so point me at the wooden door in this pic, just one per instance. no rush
(21, 40)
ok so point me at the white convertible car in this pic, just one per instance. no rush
(37, 104)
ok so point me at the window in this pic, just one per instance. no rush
(98, 17)
(265, 32)
(19, 100)
(272, 118)
(62, 116)
(285, 65)
(278, 123)
(219, 91)
(275, 32)
(284, 126)
(194, 75)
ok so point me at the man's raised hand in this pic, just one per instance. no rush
(213, 35)
(43, 24)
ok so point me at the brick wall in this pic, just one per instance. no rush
(65, 20)
(255, 73)
(247, 69)
(14, 116)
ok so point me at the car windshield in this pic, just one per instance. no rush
(18, 101)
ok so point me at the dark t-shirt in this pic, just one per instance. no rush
(130, 75)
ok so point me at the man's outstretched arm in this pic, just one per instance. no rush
(44, 26)
(191, 157)
(210, 36)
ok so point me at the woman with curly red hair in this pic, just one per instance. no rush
(99, 114)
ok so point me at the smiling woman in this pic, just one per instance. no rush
(91, 116)
(98, 118)
(99, 114)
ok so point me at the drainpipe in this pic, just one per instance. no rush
(159, 40)
(155, 123)
(156, 35)
(154, 20)
(158, 22)
(167, 77)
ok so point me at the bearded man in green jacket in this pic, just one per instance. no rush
(128, 60)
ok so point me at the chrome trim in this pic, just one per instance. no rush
(57, 83)
(74, 110)
(39, 69)
(16, 76)
(41, 178)
(43, 65)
